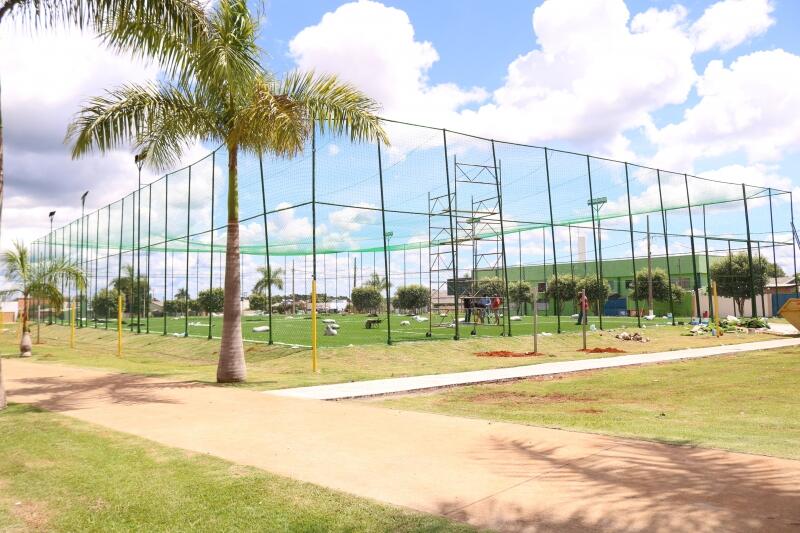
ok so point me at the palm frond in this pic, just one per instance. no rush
(179, 16)
(227, 62)
(270, 122)
(335, 105)
(157, 118)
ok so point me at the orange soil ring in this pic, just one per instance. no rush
(506, 353)
(602, 350)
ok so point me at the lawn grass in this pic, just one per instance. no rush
(271, 367)
(745, 402)
(59, 474)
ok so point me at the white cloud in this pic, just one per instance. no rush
(595, 74)
(749, 107)
(729, 23)
(374, 47)
(351, 219)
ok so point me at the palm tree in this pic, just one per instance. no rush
(143, 18)
(40, 280)
(220, 93)
(376, 281)
(270, 277)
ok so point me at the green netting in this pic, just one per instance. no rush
(436, 208)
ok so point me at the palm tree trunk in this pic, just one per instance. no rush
(231, 367)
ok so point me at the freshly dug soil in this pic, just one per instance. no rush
(506, 353)
(602, 350)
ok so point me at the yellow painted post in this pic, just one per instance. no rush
(314, 325)
(119, 325)
(716, 309)
(72, 324)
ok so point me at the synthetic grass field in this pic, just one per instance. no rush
(280, 366)
(295, 330)
(746, 402)
(59, 474)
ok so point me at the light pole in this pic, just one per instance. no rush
(388, 235)
(596, 204)
(82, 310)
(50, 257)
(139, 160)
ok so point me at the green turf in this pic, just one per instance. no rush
(296, 330)
(58, 474)
(747, 402)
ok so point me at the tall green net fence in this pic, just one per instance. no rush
(463, 220)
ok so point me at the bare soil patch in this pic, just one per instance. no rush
(506, 353)
(602, 350)
(525, 398)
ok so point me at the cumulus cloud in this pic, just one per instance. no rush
(729, 23)
(374, 47)
(744, 107)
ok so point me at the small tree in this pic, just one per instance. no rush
(104, 303)
(597, 291)
(734, 279)
(40, 280)
(521, 293)
(127, 284)
(565, 289)
(412, 297)
(366, 299)
(258, 302)
(175, 307)
(270, 277)
(661, 287)
(491, 287)
(210, 300)
(376, 281)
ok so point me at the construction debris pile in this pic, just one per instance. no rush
(625, 336)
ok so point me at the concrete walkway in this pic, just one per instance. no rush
(496, 475)
(378, 387)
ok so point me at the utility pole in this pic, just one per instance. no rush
(355, 263)
(649, 272)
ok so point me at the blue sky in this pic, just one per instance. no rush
(697, 86)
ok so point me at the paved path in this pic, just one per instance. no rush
(498, 475)
(361, 389)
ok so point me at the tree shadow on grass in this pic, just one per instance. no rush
(60, 394)
(638, 486)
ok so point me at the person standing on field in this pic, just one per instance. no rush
(583, 306)
(496, 302)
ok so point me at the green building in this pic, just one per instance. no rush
(618, 273)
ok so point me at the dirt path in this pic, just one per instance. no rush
(497, 475)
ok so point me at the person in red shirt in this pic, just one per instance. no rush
(583, 306)
(496, 303)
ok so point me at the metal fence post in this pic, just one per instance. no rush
(597, 242)
(148, 296)
(314, 346)
(694, 257)
(186, 279)
(711, 306)
(108, 262)
(633, 250)
(553, 242)
(499, 184)
(211, 268)
(266, 244)
(166, 246)
(119, 261)
(753, 306)
(453, 250)
(666, 245)
(385, 255)
(774, 254)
